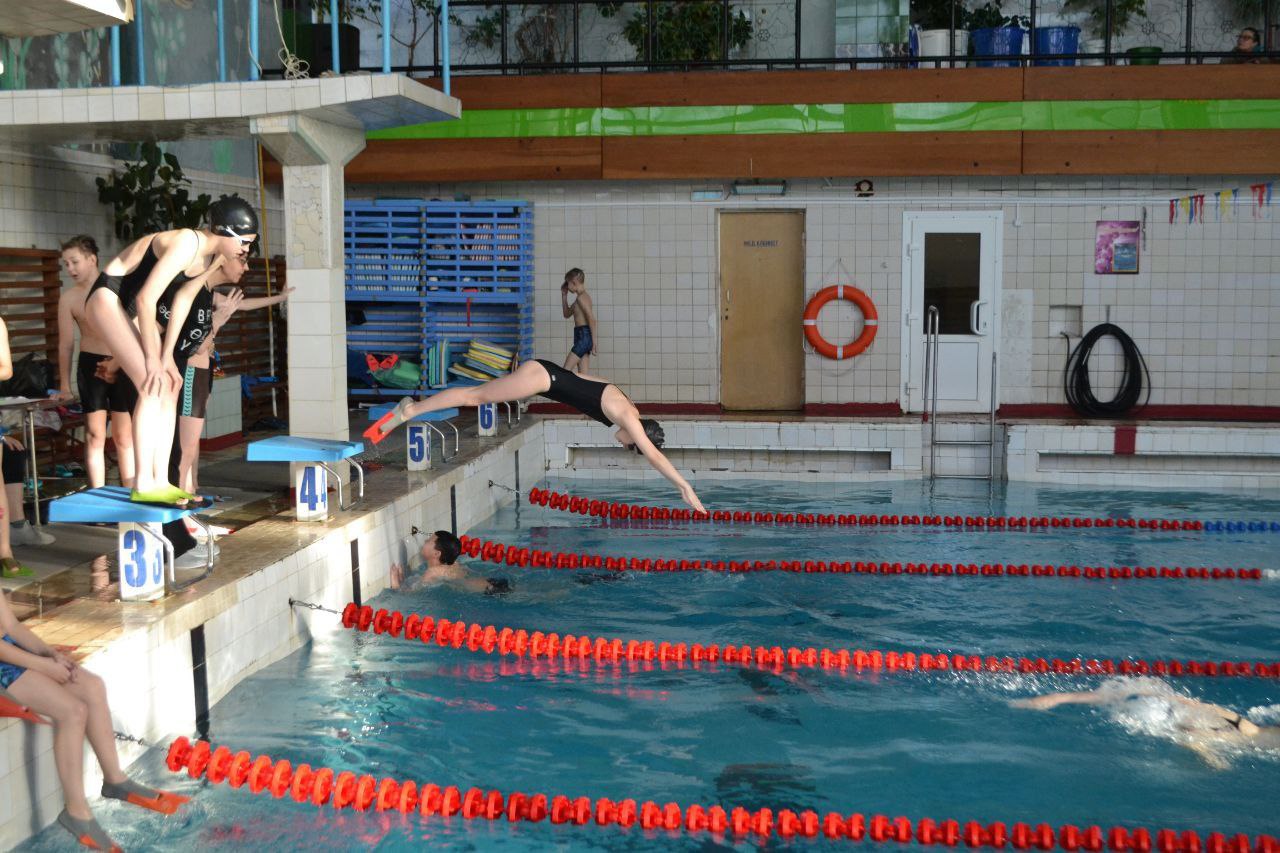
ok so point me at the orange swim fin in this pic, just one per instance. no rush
(10, 708)
(374, 433)
(166, 803)
(148, 798)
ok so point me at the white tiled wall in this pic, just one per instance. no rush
(1201, 309)
(249, 625)
(48, 194)
(705, 449)
(1165, 455)
(223, 414)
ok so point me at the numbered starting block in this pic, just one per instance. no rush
(145, 557)
(418, 435)
(314, 455)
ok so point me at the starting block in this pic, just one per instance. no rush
(417, 436)
(145, 557)
(315, 455)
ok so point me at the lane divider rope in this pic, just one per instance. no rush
(324, 786)
(616, 511)
(505, 641)
(523, 557)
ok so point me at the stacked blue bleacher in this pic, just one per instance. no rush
(429, 277)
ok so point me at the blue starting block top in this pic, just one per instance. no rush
(294, 448)
(110, 505)
(441, 415)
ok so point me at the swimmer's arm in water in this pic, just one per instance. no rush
(1053, 700)
(1210, 756)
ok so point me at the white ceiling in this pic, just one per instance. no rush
(48, 17)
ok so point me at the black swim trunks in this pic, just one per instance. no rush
(582, 343)
(197, 382)
(98, 395)
(574, 391)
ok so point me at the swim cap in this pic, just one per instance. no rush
(233, 217)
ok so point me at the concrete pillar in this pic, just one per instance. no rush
(314, 154)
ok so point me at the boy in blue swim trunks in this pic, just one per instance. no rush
(51, 684)
(584, 320)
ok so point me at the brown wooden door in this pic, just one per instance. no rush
(761, 308)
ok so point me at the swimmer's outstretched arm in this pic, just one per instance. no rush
(1053, 700)
(660, 462)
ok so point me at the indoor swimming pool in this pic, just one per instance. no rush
(935, 744)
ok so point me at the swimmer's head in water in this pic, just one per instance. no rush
(651, 428)
(446, 546)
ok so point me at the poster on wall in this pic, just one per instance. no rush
(1115, 249)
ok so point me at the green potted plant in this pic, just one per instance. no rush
(151, 194)
(996, 34)
(1123, 12)
(684, 32)
(935, 18)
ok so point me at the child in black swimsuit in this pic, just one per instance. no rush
(596, 398)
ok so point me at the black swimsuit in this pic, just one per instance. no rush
(128, 286)
(572, 390)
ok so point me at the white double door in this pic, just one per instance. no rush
(951, 261)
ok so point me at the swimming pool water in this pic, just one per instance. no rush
(939, 744)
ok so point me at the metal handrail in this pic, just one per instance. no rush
(931, 326)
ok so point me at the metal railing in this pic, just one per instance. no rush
(931, 340)
(439, 38)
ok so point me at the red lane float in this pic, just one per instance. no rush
(616, 511)
(365, 792)
(510, 555)
(541, 645)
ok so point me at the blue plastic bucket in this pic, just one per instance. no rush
(1057, 41)
(997, 41)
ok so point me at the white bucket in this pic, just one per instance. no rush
(934, 43)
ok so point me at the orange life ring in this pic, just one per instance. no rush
(870, 321)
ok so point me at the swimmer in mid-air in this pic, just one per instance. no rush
(596, 398)
(1202, 727)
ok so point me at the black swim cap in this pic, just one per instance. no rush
(233, 217)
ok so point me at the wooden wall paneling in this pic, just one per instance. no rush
(813, 155)
(486, 92)
(712, 88)
(425, 160)
(242, 344)
(1151, 152)
(1155, 82)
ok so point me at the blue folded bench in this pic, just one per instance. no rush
(314, 451)
(446, 416)
(110, 505)
(296, 448)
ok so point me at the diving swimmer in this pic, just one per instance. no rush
(596, 398)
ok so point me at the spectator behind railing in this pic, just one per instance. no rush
(1248, 49)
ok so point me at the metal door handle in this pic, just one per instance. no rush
(975, 309)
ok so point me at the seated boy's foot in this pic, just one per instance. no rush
(392, 419)
(88, 833)
(11, 568)
(140, 795)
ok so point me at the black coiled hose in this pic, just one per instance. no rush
(1076, 376)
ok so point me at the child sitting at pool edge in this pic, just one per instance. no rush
(439, 553)
(584, 320)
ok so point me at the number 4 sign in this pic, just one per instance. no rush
(312, 490)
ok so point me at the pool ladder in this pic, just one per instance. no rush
(932, 323)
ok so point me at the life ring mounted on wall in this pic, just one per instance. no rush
(870, 321)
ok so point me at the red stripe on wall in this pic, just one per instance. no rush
(1252, 414)
(1126, 440)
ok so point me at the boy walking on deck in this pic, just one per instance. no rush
(584, 320)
